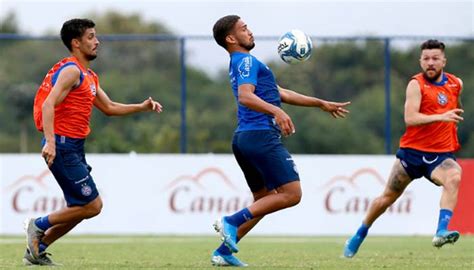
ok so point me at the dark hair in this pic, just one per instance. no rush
(432, 44)
(74, 28)
(222, 28)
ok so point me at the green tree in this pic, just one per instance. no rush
(9, 24)
(131, 70)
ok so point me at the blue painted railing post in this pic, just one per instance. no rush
(388, 108)
(182, 53)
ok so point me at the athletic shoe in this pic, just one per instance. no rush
(28, 258)
(352, 246)
(444, 237)
(42, 259)
(218, 259)
(228, 233)
(33, 237)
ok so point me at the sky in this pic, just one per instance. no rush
(349, 17)
(264, 17)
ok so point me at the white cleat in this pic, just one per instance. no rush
(445, 237)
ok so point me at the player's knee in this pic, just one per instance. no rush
(297, 199)
(93, 209)
(96, 209)
(453, 180)
(257, 195)
(385, 200)
(294, 198)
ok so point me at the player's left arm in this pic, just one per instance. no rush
(459, 96)
(336, 109)
(112, 108)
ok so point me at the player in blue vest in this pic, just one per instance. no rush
(267, 165)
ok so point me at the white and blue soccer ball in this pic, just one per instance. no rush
(294, 46)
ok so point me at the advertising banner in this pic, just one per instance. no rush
(184, 194)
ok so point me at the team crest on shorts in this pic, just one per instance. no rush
(86, 190)
(442, 99)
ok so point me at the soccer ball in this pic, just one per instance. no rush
(294, 47)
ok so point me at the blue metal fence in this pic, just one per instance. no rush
(388, 136)
(387, 40)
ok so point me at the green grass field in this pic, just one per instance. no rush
(151, 252)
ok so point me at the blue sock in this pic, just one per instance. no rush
(43, 223)
(363, 230)
(42, 247)
(240, 217)
(444, 218)
(224, 250)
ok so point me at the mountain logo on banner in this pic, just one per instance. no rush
(30, 194)
(353, 193)
(209, 191)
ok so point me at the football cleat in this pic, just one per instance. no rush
(352, 245)
(444, 237)
(33, 237)
(228, 233)
(28, 258)
(42, 259)
(218, 259)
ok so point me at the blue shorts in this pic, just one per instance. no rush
(72, 171)
(263, 159)
(419, 163)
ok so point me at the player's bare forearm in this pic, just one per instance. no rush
(48, 152)
(294, 98)
(48, 122)
(248, 99)
(252, 101)
(118, 109)
(336, 109)
(460, 92)
(416, 118)
(112, 108)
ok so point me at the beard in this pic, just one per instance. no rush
(249, 46)
(91, 57)
(433, 78)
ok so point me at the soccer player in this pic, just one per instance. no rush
(62, 110)
(268, 167)
(432, 113)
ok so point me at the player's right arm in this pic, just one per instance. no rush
(413, 117)
(67, 79)
(247, 97)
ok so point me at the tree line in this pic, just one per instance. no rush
(132, 70)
